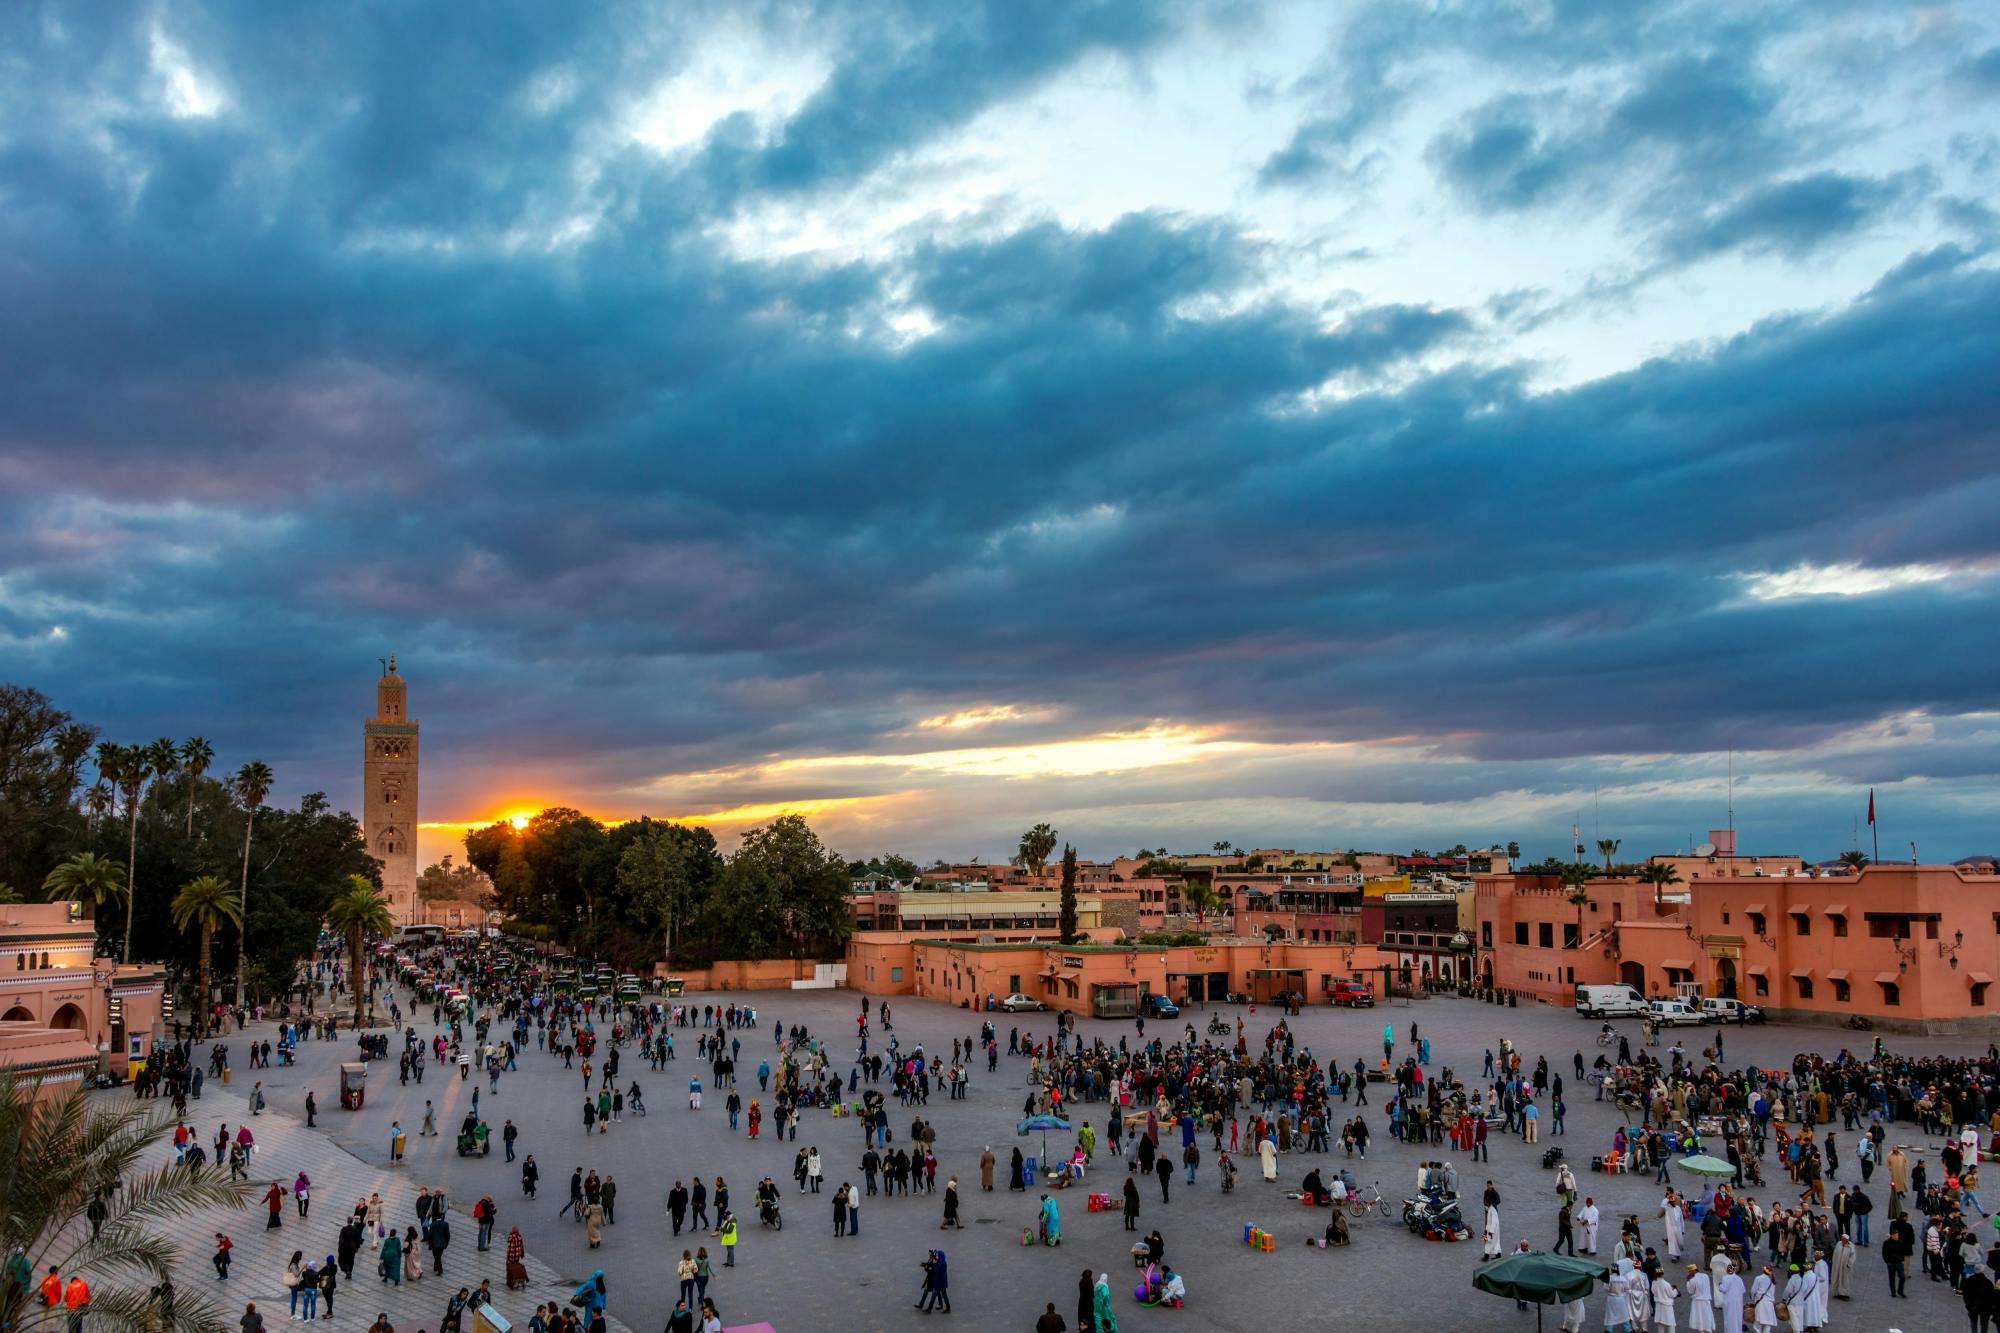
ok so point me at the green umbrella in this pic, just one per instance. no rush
(1701, 1164)
(1542, 1279)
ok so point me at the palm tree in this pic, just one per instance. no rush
(1854, 860)
(128, 771)
(196, 755)
(72, 746)
(98, 801)
(8, 893)
(1036, 844)
(66, 1150)
(204, 904)
(358, 912)
(253, 784)
(164, 758)
(87, 877)
(1574, 876)
(1661, 876)
(1607, 848)
(1200, 896)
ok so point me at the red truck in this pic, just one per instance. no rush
(1353, 994)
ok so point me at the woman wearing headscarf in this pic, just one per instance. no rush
(392, 1259)
(1014, 1181)
(517, 1255)
(1086, 1301)
(1103, 1318)
(1051, 1222)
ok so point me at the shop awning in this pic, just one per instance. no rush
(1837, 974)
(1892, 978)
(1070, 974)
(1979, 978)
(1678, 964)
(1835, 909)
(1756, 909)
(1801, 971)
(1758, 970)
(1277, 971)
(1051, 971)
(1114, 985)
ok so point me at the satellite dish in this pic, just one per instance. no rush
(1705, 849)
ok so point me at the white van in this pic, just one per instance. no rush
(1718, 1010)
(1674, 1013)
(1609, 1002)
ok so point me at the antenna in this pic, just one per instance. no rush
(1732, 802)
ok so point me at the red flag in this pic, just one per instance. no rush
(1871, 805)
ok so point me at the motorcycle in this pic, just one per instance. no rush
(1218, 1028)
(1433, 1214)
(770, 1216)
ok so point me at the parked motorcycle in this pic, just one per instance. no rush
(1433, 1214)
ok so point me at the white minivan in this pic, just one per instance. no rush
(1718, 1010)
(1609, 1002)
(1674, 1013)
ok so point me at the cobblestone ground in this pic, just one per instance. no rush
(806, 1278)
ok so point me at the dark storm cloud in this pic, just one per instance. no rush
(314, 379)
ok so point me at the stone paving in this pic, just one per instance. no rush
(806, 1278)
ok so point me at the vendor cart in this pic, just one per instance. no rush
(353, 1085)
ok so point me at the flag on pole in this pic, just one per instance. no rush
(1871, 805)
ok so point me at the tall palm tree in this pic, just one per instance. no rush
(1607, 848)
(88, 877)
(163, 757)
(128, 764)
(1854, 860)
(1574, 876)
(196, 755)
(205, 905)
(72, 746)
(1200, 896)
(359, 911)
(252, 784)
(8, 893)
(69, 1149)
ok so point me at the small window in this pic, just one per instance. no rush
(1486, 931)
(1545, 936)
(1892, 994)
(1930, 928)
(895, 974)
(1725, 918)
(1805, 987)
(1839, 926)
(1762, 985)
(1802, 923)
(1014, 984)
(1520, 932)
(1756, 923)
(1979, 995)
(1840, 991)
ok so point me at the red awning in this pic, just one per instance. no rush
(1755, 909)
(1979, 978)
(1801, 971)
(1837, 974)
(1891, 978)
(1758, 970)
(1835, 909)
(1678, 964)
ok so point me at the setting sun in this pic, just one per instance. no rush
(519, 821)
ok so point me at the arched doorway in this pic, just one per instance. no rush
(1634, 975)
(69, 1018)
(17, 1014)
(1487, 971)
(1725, 977)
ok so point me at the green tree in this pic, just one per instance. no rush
(1662, 876)
(1854, 860)
(1200, 895)
(1066, 919)
(70, 1149)
(252, 784)
(38, 824)
(72, 746)
(1575, 876)
(1607, 848)
(163, 761)
(653, 879)
(204, 904)
(1036, 844)
(196, 755)
(1513, 850)
(360, 911)
(86, 877)
(8, 893)
(131, 772)
(98, 802)
(786, 873)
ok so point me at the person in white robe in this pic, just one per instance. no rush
(1618, 1300)
(1572, 1320)
(1731, 1290)
(1701, 1300)
(1764, 1302)
(1841, 1275)
(1718, 1269)
(1267, 1153)
(1586, 1218)
(1801, 1298)
(1676, 1224)
(1822, 1292)
(1640, 1292)
(1663, 1304)
(1489, 1242)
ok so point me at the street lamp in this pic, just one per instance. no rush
(1950, 951)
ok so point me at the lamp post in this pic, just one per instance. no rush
(1950, 951)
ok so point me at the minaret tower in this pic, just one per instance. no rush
(389, 792)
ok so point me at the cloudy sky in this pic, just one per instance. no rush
(1380, 424)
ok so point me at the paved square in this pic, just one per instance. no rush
(805, 1278)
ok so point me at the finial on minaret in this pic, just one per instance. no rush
(392, 664)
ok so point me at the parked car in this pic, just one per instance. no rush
(1717, 1010)
(1609, 1002)
(1353, 994)
(1159, 1006)
(1674, 1013)
(1019, 1003)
